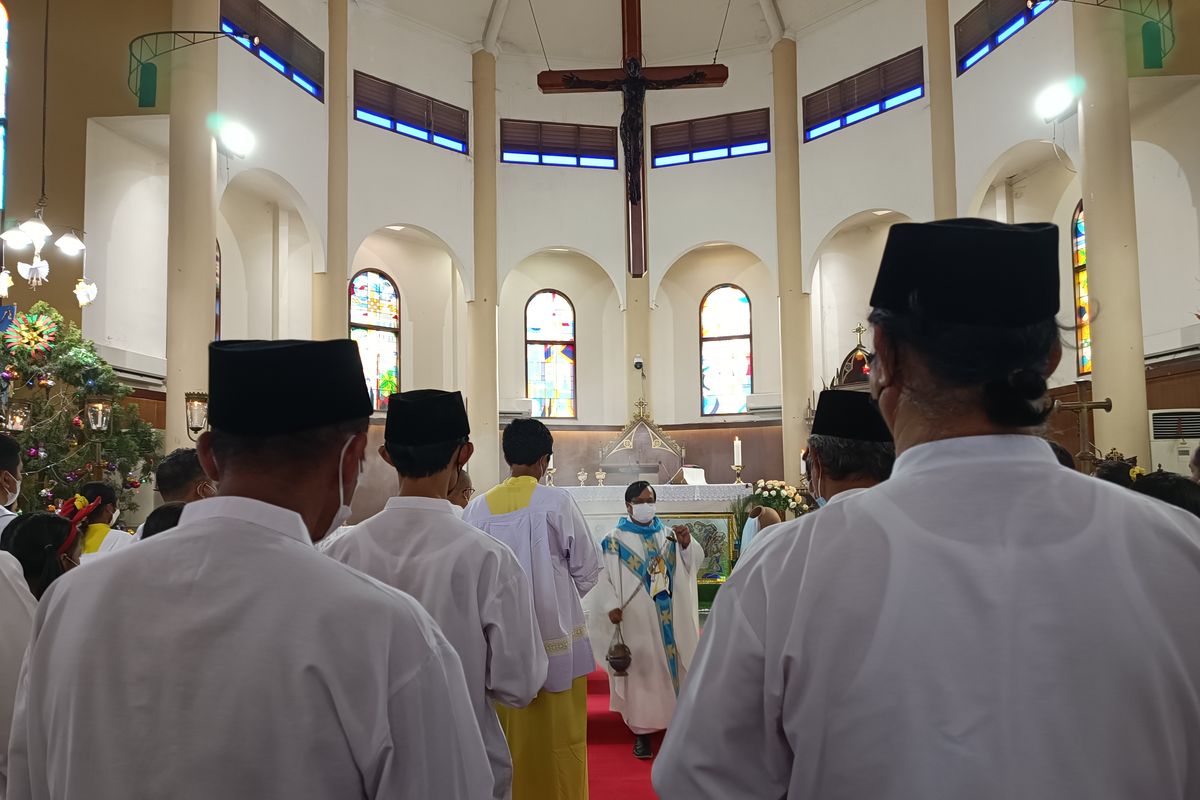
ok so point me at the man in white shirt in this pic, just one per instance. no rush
(545, 529)
(230, 659)
(179, 478)
(985, 624)
(16, 620)
(849, 450)
(10, 479)
(471, 584)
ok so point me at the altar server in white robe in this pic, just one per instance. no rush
(650, 589)
(545, 529)
(470, 583)
(986, 624)
(230, 659)
(16, 621)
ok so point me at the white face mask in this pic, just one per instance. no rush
(112, 523)
(12, 497)
(343, 512)
(643, 513)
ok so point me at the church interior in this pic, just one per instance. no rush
(664, 268)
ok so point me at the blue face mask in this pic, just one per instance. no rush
(821, 501)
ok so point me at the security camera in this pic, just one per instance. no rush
(638, 363)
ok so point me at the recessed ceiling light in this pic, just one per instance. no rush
(715, 244)
(559, 249)
(881, 213)
(395, 227)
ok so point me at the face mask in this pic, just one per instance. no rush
(643, 513)
(12, 498)
(343, 512)
(821, 501)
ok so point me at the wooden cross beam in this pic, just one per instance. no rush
(1087, 451)
(632, 81)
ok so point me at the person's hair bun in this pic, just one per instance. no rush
(1027, 384)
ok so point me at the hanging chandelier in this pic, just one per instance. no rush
(34, 232)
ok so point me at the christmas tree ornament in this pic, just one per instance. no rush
(36, 273)
(85, 292)
(6, 282)
(31, 333)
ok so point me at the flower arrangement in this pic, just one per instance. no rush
(780, 496)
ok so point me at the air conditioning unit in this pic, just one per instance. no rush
(1174, 436)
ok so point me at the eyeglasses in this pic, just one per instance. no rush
(469, 493)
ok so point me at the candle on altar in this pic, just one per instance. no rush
(737, 451)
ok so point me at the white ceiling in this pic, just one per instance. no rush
(589, 31)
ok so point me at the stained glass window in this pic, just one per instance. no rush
(1083, 315)
(726, 360)
(375, 325)
(550, 354)
(3, 99)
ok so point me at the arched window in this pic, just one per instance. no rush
(726, 360)
(1083, 315)
(3, 101)
(375, 325)
(550, 354)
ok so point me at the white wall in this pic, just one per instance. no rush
(1166, 177)
(729, 200)
(673, 365)
(291, 127)
(267, 255)
(847, 266)
(544, 206)
(880, 163)
(599, 333)
(993, 101)
(432, 331)
(398, 180)
(125, 214)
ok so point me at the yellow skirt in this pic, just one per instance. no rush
(548, 742)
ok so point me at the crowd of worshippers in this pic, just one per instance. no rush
(965, 615)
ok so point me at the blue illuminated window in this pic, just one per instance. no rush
(711, 138)
(558, 144)
(276, 55)
(868, 94)
(387, 105)
(991, 24)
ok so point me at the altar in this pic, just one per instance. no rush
(705, 509)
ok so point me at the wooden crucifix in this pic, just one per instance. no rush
(1087, 451)
(632, 80)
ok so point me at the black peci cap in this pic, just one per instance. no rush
(970, 272)
(426, 416)
(268, 388)
(849, 415)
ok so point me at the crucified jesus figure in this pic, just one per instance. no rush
(633, 89)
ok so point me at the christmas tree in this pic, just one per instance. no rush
(65, 405)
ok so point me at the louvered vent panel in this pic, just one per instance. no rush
(1176, 424)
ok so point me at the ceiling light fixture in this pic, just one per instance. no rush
(34, 231)
(236, 138)
(395, 227)
(881, 213)
(1058, 100)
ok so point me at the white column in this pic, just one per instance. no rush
(795, 306)
(939, 87)
(483, 394)
(191, 214)
(1113, 280)
(281, 255)
(637, 340)
(329, 303)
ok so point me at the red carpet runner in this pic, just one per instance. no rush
(613, 772)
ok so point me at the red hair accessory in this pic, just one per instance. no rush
(75, 511)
